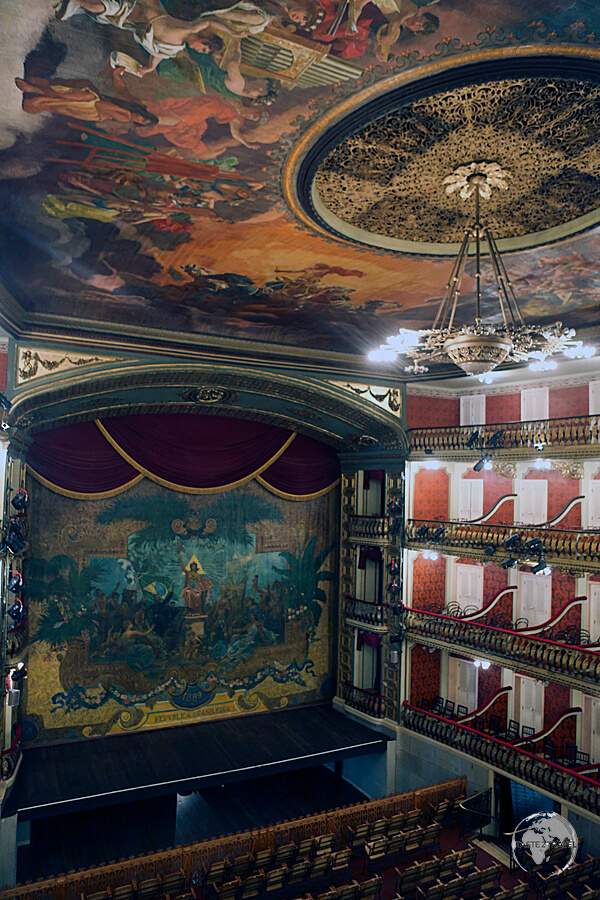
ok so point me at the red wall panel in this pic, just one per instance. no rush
(503, 408)
(569, 401)
(431, 494)
(429, 583)
(424, 676)
(560, 491)
(431, 412)
(495, 486)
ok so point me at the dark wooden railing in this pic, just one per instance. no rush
(571, 785)
(367, 702)
(369, 528)
(574, 664)
(366, 612)
(551, 433)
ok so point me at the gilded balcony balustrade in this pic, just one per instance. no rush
(581, 789)
(370, 529)
(519, 440)
(578, 667)
(580, 550)
(368, 702)
(373, 616)
(16, 641)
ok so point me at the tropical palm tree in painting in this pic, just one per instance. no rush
(302, 576)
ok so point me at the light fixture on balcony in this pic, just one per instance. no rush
(484, 463)
(422, 532)
(438, 534)
(509, 562)
(430, 554)
(480, 346)
(534, 544)
(542, 567)
(512, 542)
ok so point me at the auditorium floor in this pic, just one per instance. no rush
(98, 836)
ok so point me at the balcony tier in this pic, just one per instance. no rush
(577, 551)
(369, 616)
(578, 436)
(370, 529)
(573, 666)
(367, 702)
(575, 787)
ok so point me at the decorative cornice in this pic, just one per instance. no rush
(34, 363)
(475, 387)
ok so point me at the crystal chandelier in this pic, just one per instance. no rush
(480, 347)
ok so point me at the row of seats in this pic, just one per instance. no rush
(389, 849)
(469, 887)
(364, 890)
(269, 858)
(454, 864)
(384, 827)
(172, 886)
(576, 881)
(281, 879)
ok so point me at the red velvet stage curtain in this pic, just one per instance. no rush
(79, 460)
(189, 453)
(306, 467)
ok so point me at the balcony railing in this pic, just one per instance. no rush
(373, 614)
(367, 702)
(559, 544)
(570, 784)
(16, 639)
(569, 664)
(371, 529)
(552, 433)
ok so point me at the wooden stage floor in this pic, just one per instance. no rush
(64, 778)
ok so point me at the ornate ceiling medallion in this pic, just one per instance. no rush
(385, 185)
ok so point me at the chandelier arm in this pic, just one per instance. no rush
(506, 283)
(445, 315)
(502, 295)
(477, 259)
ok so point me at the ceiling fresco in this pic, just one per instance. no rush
(145, 176)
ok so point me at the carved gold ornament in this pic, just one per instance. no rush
(390, 177)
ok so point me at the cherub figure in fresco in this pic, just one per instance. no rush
(162, 35)
(80, 100)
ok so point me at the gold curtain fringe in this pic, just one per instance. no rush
(285, 496)
(75, 495)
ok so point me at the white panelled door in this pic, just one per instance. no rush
(472, 409)
(535, 597)
(534, 404)
(531, 706)
(590, 732)
(594, 611)
(594, 398)
(594, 504)
(533, 502)
(462, 683)
(469, 585)
(470, 499)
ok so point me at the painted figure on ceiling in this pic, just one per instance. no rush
(79, 99)
(162, 35)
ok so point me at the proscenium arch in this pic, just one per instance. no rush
(324, 412)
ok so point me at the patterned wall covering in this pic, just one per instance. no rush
(429, 583)
(488, 683)
(159, 608)
(431, 493)
(563, 590)
(557, 700)
(569, 401)
(503, 408)
(495, 486)
(560, 491)
(424, 675)
(431, 412)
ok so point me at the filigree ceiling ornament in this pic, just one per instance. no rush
(480, 347)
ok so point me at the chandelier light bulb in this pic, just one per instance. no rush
(404, 340)
(488, 464)
(477, 663)
(383, 354)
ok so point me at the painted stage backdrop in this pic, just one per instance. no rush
(158, 608)
(142, 145)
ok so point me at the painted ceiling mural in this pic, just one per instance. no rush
(143, 154)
